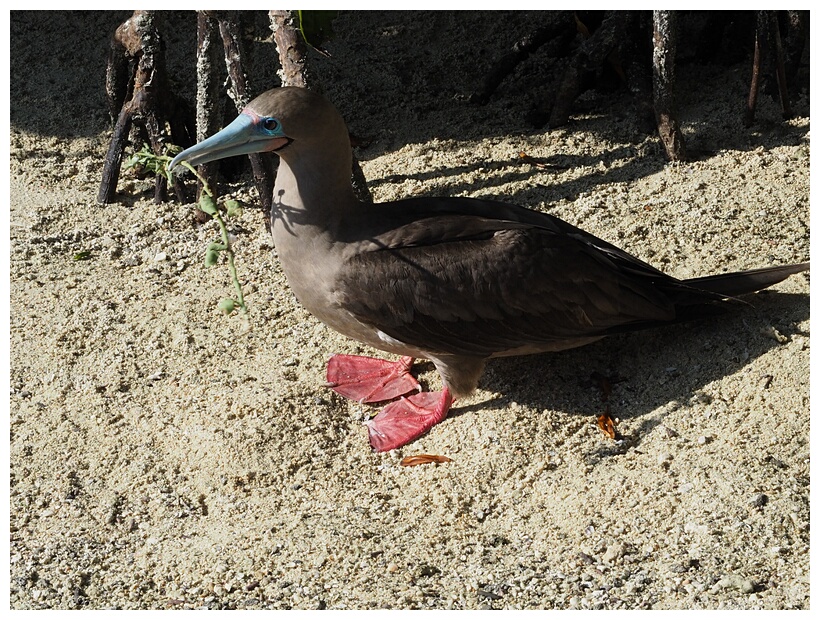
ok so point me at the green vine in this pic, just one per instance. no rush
(158, 164)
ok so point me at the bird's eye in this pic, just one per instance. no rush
(270, 124)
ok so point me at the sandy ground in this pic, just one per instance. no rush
(166, 456)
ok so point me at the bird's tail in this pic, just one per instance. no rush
(699, 298)
(743, 282)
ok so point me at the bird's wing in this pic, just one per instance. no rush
(472, 285)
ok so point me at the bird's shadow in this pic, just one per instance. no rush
(649, 370)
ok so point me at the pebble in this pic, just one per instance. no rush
(161, 256)
(696, 528)
(734, 582)
(771, 332)
(759, 500)
(613, 552)
(670, 432)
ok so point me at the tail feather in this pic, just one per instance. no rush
(699, 298)
(743, 282)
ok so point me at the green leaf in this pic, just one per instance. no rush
(152, 163)
(227, 305)
(207, 204)
(234, 209)
(211, 256)
(83, 255)
(132, 161)
(316, 27)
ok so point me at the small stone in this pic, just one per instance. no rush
(613, 552)
(586, 558)
(703, 398)
(161, 256)
(759, 500)
(771, 332)
(734, 582)
(696, 528)
(669, 432)
(703, 440)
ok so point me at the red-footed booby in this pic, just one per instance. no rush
(453, 280)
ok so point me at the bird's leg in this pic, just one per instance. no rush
(370, 380)
(408, 418)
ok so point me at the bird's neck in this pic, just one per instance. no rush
(314, 191)
(312, 199)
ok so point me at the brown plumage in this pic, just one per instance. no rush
(453, 280)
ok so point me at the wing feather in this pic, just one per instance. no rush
(495, 286)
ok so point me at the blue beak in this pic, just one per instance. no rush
(242, 136)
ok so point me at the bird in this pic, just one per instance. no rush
(453, 280)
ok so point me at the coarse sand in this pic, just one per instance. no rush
(163, 455)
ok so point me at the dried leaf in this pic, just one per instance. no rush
(581, 26)
(528, 159)
(607, 424)
(423, 459)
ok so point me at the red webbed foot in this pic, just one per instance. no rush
(370, 380)
(407, 419)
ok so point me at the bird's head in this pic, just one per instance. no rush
(272, 122)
